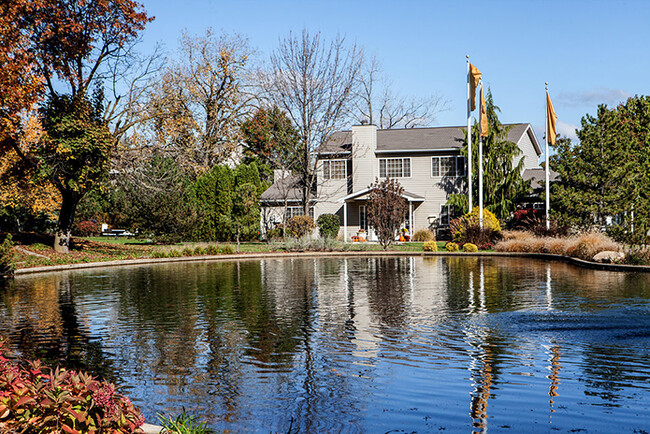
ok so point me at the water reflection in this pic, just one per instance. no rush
(352, 344)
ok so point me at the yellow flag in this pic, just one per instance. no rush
(484, 119)
(474, 78)
(551, 119)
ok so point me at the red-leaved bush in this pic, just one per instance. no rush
(35, 399)
(86, 228)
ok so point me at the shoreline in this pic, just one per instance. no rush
(275, 255)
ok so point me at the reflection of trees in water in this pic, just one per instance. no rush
(610, 369)
(388, 295)
(43, 323)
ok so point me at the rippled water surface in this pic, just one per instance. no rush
(353, 344)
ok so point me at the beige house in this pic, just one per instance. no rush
(425, 161)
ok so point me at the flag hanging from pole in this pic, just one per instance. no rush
(474, 78)
(551, 119)
(484, 119)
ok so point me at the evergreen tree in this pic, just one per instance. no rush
(606, 173)
(503, 186)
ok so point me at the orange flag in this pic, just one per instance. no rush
(484, 119)
(551, 119)
(474, 78)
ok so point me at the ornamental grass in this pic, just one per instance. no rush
(584, 246)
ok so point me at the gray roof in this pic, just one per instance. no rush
(417, 139)
(537, 177)
(288, 187)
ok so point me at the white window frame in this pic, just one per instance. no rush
(293, 211)
(379, 161)
(327, 168)
(363, 218)
(460, 165)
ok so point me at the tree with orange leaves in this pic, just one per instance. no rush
(46, 45)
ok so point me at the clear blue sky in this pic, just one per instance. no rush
(590, 52)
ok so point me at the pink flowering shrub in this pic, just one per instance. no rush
(34, 398)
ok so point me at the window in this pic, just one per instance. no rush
(293, 211)
(447, 213)
(363, 221)
(334, 169)
(447, 166)
(394, 167)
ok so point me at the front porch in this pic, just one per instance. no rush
(355, 219)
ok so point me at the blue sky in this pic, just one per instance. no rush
(590, 52)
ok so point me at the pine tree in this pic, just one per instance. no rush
(503, 185)
(606, 173)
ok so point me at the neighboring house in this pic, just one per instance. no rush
(537, 178)
(426, 162)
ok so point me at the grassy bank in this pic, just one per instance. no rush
(101, 249)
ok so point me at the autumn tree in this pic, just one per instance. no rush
(386, 209)
(503, 164)
(74, 154)
(202, 98)
(25, 203)
(315, 82)
(270, 137)
(60, 48)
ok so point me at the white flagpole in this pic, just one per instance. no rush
(548, 201)
(469, 139)
(480, 166)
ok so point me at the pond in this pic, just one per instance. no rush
(374, 344)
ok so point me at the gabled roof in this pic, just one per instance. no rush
(537, 178)
(420, 139)
(286, 188)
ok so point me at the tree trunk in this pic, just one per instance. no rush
(238, 233)
(66, 219)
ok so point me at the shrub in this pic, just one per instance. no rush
(86, 228)
(328, 225)
(430, 246)
(637, 256)
(524, 219)
(451, 247)
(183, 424)
(7, 265)
(227, 249)
(466, 229)
(174, 253)
(188, 251)
(469, 247)
(199, 251)
(38, 399)
(424, 235)
(300, 225)
(274, 233)
(212, 250)
(486, 246)
(158, 254)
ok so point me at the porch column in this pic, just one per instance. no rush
(345, 222)
(411, 229)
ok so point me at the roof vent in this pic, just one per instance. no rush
(364, 122)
